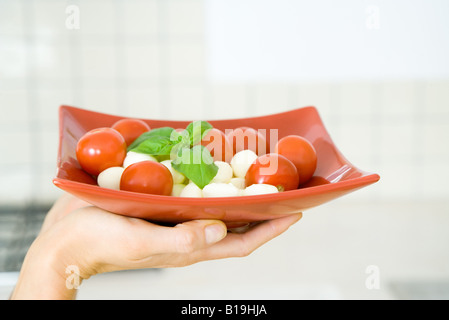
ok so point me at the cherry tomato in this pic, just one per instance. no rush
(301, 152)
(130, 129)
(147, 177)
(244, 138)
(274, 169)
(100, 149)
(218, 145)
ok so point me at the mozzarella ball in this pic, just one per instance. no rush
(191, 190)
(224, 174)
(133, 157)
(259, 188)
(110, 178)
(177, 189)
(178, 177)
(220, 190)
(239, 183)
(241, 162)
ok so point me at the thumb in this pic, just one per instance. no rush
(196, 234)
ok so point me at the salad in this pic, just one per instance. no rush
(196, 161)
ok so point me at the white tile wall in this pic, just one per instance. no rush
(227, 101)
(141, 18)
(142, 61)
(144, 102)
(267, 97)
(148, 59)
(185, 61)
(185, 18)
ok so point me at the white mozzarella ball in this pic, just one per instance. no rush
(239, 183)
(134, 157)
(191, 190)
(220, 190)
(177, 189)
(241, 162)
(259, 188)
(110, 178)
(178, 177)
(224, 174)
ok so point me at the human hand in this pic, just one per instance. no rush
(96, 241)
(65, 204)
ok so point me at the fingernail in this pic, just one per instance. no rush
(214, 233)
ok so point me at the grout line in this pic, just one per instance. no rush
(206, 85)
(417, 118)
(164, 81)
(293, 96)
(376, 121)
(75, 62)
(334, 122)
(136, 40)
(375, 125)
(32, 108)
(208, 111)
(120, 55)
(250, 105)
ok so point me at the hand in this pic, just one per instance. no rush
(95, 241)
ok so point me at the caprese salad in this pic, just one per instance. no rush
(196, 161)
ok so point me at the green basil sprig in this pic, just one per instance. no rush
(197, 164)
(197, 130)
(189, 158)
(154, 134)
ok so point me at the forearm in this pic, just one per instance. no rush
(52, 268)
(42, 276)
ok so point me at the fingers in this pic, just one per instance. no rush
(63, 206)
(240, 245)
(208, 239)
(197, 234)
(200, 240)
(266, 231)
(185, 237)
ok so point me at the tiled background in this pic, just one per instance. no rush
(147, 58)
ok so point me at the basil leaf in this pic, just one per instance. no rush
(197, 130)
(156, 145)
(196, 164)
(158, 132)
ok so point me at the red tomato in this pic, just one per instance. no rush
(301, 152)
(100, 149)
(244, 138)
(273, 169)
(130, 129)
(147, 177)
(218, 145)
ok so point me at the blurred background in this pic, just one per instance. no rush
(376, 70)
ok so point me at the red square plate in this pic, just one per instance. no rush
(334, 177)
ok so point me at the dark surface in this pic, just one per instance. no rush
(421, 290)
(18, 229)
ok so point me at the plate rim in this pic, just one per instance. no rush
(350, 184)
(365, 179)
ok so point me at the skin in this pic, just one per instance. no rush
(96, 241)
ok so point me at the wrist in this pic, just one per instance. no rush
(52, 268)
